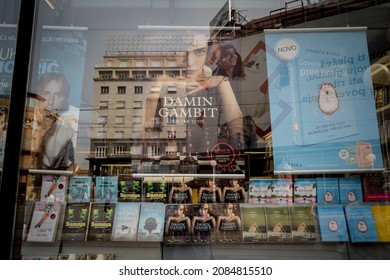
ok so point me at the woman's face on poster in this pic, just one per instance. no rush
(196, 58)
(228, 59)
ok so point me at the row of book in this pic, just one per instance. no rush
(125, 188)
(319, 190)
(207, 222)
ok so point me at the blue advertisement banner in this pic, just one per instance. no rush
(63, 50)
(7, 57)
(322, 104)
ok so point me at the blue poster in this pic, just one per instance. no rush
(7, 57)
(322, 103)
(62, 50)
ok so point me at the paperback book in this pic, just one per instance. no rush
(177, 223)
(332, 223)
(129, 189)
(203, 224)
(381, 214)
(151, 222)
(260, 191)
(156, 191)
(303, 223)
(254, 224)
(278, 223)
(375, 188)
(126, 221)
(106, 189)
(229, 224)
(350, 190)
(44, 221)
(76, 221)
(79, 189)
(328, 190)
(282, 191)
(101, 221)
(361, 223)
(305, 190)
(54, 185)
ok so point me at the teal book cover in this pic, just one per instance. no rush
(332, 223)
(328, 190)
(151, 222)
(350, 190)
(125, 221)
(106, 189)
(361, 224)
(79, 189)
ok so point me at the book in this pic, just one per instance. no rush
(181, 193)
(44, 221)
(229, 224)
(332, 223)
(361, 223)
(72, 256)
(381, 214)
(54, 185)
(375, 188)
(126, 218)
(79, 189)
(156, 191)
(350, 190)
(101, 221)
(177, 227)
(254, 224)
(129, 189)
(327, 190)
(282, 191)
(303, 223)
(278, 223)
(100, 256)
(259, 190)
(151, 222)
(106, 189)
(305, 190)
(203, 224)
(76, 221)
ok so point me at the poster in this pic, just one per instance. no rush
(8, 35)
(322, 86)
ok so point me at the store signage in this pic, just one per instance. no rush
(323, 85)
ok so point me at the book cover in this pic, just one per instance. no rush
(332, 223)
(229, 224)
(260, 190)
(361, 224)
(76, 221)
(278, 224)
(381, 214)
(126, 221)
(44, 221)
(328, 190)
(101, 221)
(177, 223)
(181, 193)
(54, 185)
(106, 189)
(151, 222)
(99, 256)
(302, 223)
(254, 225)
(129, 189)
(203, 224)
(79, 189)
(282, 191)
(305, 190)
(156, 191)
(350, 190)
(375, 188)
(72, 256)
